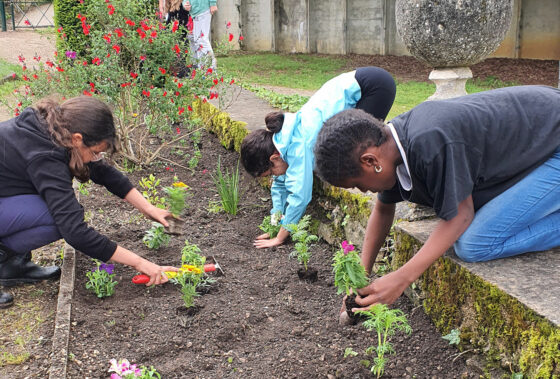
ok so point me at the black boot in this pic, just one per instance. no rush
(17, 268)
(5, 300)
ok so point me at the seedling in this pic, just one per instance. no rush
(124, 370)
(271, 224)
(386, 322)
(303, 240)
(101, 280)
(156, 237)
(349, 274)
(349, 352)
(228, 188)
(150, 192)
(454, 337)
(176, 197)
(189, 280)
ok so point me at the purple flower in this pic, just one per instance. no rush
(71, 54)
(347, 247)
(107, 267)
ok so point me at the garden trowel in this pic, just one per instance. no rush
(209, 267)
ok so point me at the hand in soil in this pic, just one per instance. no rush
(262, 241)
(385, 290)
(158, 215)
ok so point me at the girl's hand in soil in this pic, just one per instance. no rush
(159, 215)
(152, 212)
(385, 290)
(262, 241)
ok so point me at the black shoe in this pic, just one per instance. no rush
(17, 268)
(6, 300)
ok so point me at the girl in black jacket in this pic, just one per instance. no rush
(41, 151)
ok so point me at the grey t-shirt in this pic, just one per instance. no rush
(479, 144)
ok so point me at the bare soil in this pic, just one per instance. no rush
(258, 320)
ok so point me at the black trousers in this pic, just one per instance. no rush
(378, 91)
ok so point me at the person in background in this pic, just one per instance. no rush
(42, 150)
(488, 163)
(285, 148)
(201, 12)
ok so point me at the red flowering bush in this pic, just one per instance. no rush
(133, 64)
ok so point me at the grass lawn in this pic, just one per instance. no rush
(5, 70)
(309, 72)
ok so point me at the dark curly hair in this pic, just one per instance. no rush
(341, 141)
(257, 146)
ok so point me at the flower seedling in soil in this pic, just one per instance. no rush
(386, 322)
(228, 188)
(176, 197)
(270, 224)
(156, 237)
(189, 280)
(454, 337)
(349, 275)
(124, 370)
(303, 240)
(149, 188)
(101, 280)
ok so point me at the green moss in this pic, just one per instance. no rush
(489, 319)
(357, 205)
(229, 132)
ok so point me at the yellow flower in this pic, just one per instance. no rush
(179, 185)
(135, 115)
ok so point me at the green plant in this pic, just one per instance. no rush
(349, 352)
(189, 280)
(193, 162)
(289, 103)
(214, 206)
(303, 240)
(349, 274)
(271, 225)
(228, 188)
(156, 237)
(454, 337)
(176, 197)
(83, 188)
(100, 280)
(386, 322)
(190, 255)
(149, 188)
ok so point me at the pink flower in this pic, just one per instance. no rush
(347, 247)
(228, 24)
(230, 37)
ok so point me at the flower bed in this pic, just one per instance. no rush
(257, 320)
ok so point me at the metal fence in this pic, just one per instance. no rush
(16, 14)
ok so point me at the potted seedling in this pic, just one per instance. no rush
(386, 322)
(176, 199)
(271, 224)
(349, 275)
(303, 239)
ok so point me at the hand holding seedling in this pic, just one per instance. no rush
(385, 290)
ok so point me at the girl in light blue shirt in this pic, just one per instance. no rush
(285, 148)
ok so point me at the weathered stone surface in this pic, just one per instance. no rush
(452, 33)
(450, 82)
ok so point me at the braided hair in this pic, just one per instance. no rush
(86, 115)
(257, 146)
(342, 140)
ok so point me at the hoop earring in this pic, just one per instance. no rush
(378, 169)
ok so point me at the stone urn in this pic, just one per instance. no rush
(450, 35)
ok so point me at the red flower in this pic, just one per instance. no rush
(177, 93)
(176, 49)
(175, 26)
(142, 57)
(24, 68)
(24, 77)
(179, 85)
(118, 32)
(134, 75)
(14, 75)
(27, 22)
(222, 79)
(215, 81)
(150, 40)
(167, 168)
(35, 76)
(230, 37)
(92, 86)
(117, 48)
(241, 38)
(204, 100)
(153, 34)
(162, 70)
(232, 81)
(228, 24)
(164, 93)
(193, 74)
(130, 22)
(108, 55)
(59, 29)
(96, 61)
(190, 24)
(59, 69)
(111, 9)
(144, 26)
(146, 93)
(107, 37)
(86, 93)
(141, 33)
(189, 108)
(125, 85)
(209, 71)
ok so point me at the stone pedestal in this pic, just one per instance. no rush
(450, 82)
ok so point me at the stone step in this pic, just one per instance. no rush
(508, 308)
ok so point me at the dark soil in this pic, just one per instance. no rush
(258, 320)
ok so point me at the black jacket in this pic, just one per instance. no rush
(31, 163)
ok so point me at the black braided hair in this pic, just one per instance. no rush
(342, 140)
(257, 146)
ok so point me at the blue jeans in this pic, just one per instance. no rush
(524, 218)
(26, 223)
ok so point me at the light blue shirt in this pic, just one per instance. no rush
(292, 191)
